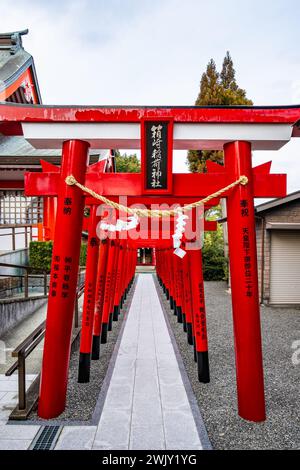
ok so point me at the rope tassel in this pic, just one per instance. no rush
(177, 237)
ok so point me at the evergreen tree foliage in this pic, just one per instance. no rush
(127, 163)
(227, 74)
(215, 264)
(210, 86)
(232, 94)
(216, 89)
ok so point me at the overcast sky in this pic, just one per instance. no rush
(153, 52)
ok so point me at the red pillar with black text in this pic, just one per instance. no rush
(167, 273)
(188, 299)
(107, 291)
(199, 315)
(89, 300)
(180, 308)
(118, 288)
(184, 293)
(63, 282)
(100, 288)
(114, 283)
(177, 276)
(123, 273)
(172, 280)
(244, 285)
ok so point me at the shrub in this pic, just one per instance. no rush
(215, 264)
(40, 255)
(83, 251)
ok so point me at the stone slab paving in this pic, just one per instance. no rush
(13, 436)
(146, 405)
(76, 438)
(20, 436)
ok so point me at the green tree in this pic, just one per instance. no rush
(216, 89)
(215, 264)
(127, 163)
(210, 87)
(232, 94)
(227, 74)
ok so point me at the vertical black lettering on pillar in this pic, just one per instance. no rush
(247, 261)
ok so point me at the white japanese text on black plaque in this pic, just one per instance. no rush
(156, 134)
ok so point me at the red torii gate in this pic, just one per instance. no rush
(236, 130)
(105, 275)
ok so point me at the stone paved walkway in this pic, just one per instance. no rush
(13, 437)
(146, 405)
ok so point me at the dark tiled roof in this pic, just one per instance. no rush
(18, 146)
(266, 206)
(12, 42)
(14, 60)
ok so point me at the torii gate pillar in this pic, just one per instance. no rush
(244, 285)
(50, 208)
(89, 300)
(63, 281)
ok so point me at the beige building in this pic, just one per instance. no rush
(278, 250)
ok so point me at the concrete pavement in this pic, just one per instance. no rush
(147, 406)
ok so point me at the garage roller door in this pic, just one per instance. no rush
(285, 267)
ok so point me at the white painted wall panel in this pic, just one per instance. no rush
(285, 267)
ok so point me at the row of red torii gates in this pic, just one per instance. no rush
(111, 263)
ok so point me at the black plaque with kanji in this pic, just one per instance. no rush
(156, 167)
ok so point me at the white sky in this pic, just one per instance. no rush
(154, 52)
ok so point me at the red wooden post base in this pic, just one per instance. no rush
(199, 316)
(244, 286)
(106, 315)
(89, 300)
(102, 262)
(118, 286)
(188, 300)
(63, 282)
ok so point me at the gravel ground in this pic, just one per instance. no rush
(82, 398)
(217, 400)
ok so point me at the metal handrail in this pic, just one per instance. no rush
(22, 266)
(21, 352)
(16, 226)
(27, 275)
(13, 232)
(20, 275)
(26, 347)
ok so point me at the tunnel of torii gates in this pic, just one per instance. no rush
(110, 269)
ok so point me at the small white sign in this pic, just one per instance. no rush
(180, 252)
